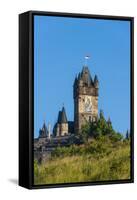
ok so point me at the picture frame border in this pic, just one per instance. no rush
(26, 98)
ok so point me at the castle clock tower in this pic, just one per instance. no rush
(85, 93)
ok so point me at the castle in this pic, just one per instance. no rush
(85, 94)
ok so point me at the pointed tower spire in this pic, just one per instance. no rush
(59, 117)
(96, 82)
(44, 130)
(63, 116)
(79, 76)
(85, 76)
(75, 81)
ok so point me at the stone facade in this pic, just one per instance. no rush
(85, 99)
(61, 127)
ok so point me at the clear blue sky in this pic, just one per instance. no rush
(60, 45)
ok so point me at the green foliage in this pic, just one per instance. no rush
(84, 135)
(103, 145)
(65, 151)
(115, 137)
(93, 162)
(35, 167)
(103, 155)
(98, 128)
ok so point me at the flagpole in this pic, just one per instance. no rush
(86, 58)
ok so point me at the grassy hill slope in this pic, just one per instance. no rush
(95, 161)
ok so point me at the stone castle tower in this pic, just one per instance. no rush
(43, 132)
(61, 127)
(85, 94)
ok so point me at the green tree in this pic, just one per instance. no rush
(85, 132)
(98, 128)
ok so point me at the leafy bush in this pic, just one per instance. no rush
(99, 147)
(100, 127)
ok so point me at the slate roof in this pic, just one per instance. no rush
(59, 117)
(63, 116)
(95, 79)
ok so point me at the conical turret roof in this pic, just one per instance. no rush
(59, 117)
(63, 116)
(95, 79)
(44, 129)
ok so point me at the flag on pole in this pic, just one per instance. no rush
(87, 57)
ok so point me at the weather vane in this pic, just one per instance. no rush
(86, 58)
